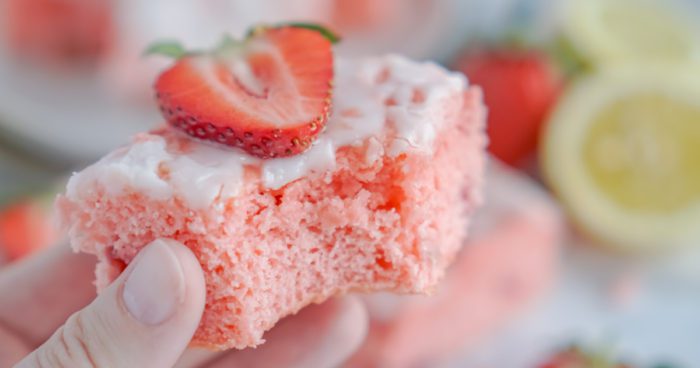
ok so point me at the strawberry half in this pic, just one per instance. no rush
(269, 94)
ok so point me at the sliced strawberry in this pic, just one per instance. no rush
(269, 95)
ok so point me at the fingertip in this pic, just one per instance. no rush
(192, 271)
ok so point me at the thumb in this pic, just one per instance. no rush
(146, 318)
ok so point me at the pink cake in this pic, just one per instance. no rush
(379, 203)
(509, 260)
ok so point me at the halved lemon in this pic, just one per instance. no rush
(622, 150)
(609, 32)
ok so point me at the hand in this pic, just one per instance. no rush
(146, 318)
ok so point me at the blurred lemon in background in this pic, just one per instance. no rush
(608, 32)
(622, 150)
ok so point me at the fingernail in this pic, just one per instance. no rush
(156, 286)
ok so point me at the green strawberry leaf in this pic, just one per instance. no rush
(331, 36)
(171, 49)
(565, 55)
(325, 32)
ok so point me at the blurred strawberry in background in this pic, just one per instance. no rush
(520, 87)
(58, 31)
(26, 227)
(358, 14)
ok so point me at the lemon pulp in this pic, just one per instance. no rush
(643, 152)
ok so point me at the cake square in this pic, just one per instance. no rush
(380, 202)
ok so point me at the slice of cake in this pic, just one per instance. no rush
(379, 201)
(509, 260)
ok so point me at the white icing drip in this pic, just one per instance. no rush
(198, 184)
(198, 177)
(321, 157)
(369, 94)
(135, 166)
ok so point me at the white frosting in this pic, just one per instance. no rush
(198, 184)
(410, 121)
(321, 157)
(135, 166)
(198, 177)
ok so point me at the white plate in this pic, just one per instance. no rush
(65, 117)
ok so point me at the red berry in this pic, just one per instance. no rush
(25, 227)
(62, 31)
(361, 15)
(269, 95)
(519, 87)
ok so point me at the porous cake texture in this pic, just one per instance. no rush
(380, 203)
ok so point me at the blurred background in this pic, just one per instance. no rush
(597, 101)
